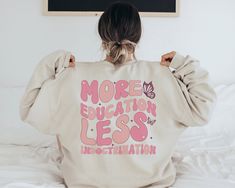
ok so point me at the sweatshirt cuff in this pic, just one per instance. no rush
(177, 61)
(67, 58)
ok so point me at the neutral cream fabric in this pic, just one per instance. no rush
(118, 125)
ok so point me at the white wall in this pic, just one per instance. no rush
(205, 29)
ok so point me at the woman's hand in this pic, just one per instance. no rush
(167, 58)
(72, 61)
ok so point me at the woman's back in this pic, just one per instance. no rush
(118, 125)
(118, 120)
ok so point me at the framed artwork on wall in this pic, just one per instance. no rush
(96, 7)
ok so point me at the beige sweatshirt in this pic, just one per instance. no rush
(118, 125)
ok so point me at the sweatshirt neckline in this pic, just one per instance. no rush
(127, 62)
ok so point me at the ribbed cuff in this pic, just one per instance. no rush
(67, 58)
(177, 61)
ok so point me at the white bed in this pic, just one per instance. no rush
(204, 156)
(29, 167)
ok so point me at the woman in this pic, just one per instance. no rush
(118, 119)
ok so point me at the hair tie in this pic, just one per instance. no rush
(125, 41)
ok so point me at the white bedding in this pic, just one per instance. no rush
(29, 167)
(205, 162)
(204, 156)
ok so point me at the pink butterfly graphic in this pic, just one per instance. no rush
(151, 122)
(148, 89)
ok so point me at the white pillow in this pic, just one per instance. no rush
(13, 130)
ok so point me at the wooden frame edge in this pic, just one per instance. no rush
(99, 13)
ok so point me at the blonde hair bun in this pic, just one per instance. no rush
(119, 51)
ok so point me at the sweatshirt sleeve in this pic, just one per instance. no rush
(38, 104)
(197, 97)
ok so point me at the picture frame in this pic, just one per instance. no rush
(66, 8)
